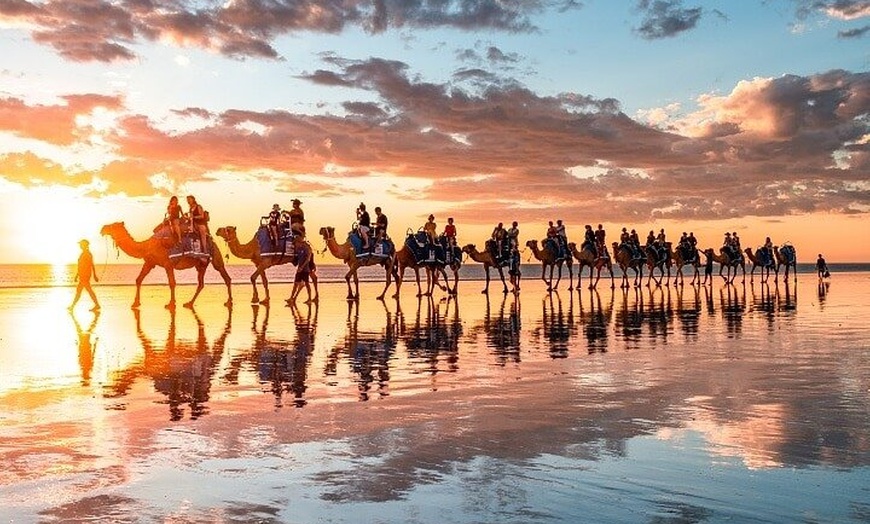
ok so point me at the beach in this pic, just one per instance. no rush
(677, 404)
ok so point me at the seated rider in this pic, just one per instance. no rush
(624, 237)
(634, 242)
(198, 222)
(498, 237)
(513, 236)
(692, 240)
(736, 241)
(364, 224)
(561, 238)
(274, 219)
(173, 218)
(430, 229)
(297, 218)
(589, 240)
(381, 223)
(450, 232)
(768, 251)
(600, 240)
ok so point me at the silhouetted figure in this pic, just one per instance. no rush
(822, 267)
(84, 272)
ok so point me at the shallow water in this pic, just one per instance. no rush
(728, 403)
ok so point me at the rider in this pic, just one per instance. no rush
(430, 229)
(513, 236)
(600, 240)
(450, 232)
(274, 218)
(364, 224)
(768, 251)
(381, 223)
(634, 241)
(297, 218)
(498, 237)
(589, 240)
(822, 267)
(198, 222)
(624, 237)
(173, 217)
(561, 237)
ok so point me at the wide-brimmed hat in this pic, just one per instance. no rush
(297, 201)
(84, 242)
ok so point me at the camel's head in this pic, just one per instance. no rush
(709, 252)
(532, 244)
(615, 246)
(227, 233)
(748, 251)
(572, 246)
(327, 232)
(468, 248)
(111, 229)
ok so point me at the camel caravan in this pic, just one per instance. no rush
(183, 241)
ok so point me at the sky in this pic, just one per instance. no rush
(702, 116)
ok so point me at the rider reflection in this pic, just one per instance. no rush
(503, 332)
(87, 347)
(596, 322)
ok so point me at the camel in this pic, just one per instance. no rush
(155, 253)
(676, 258)
(653, 262)
(725, 261)
(785, 256)
(587, 258)
(487, 260)
(346, 253)
(548, 258)
(626, 260)
(755, 258)
(251, 251)
(404, 258)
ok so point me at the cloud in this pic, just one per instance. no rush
(854, 33)
(770, 147)
(666, 18)
(836, 9)
(106, 31)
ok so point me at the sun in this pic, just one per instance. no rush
(49, 227)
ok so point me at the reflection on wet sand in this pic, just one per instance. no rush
(183, 370)
(87, 346)
(368, 352)
(502, 331)
(713, 387)
(433, 339)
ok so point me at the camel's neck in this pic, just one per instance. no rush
(479, 257)
(537, 251)
(128, 245)
(339, 251)
(245, 251)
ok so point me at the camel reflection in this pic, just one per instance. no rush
(368, 353)
(502, 332)
(689, 310)
(281, 364)
(652, 313)
(87, 347)
(556, 328)
(434, 340)
(732, 302)
(596, 321)
(183, 369)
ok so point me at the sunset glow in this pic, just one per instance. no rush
(747, 116)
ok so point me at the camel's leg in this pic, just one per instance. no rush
(351, 270)
(146, 268)
(558, 278)
(417, 276)
(571, 275)
(486, 287)
(544, 275)
(503, 283)
(400, 277)
(200, 283)
(612, 283)
(455, 281)
(255, 298)
(388, 267)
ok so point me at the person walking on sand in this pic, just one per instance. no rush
(84, 272)
(304, 260)
(822, 267)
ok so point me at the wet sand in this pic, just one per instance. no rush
(745, 403)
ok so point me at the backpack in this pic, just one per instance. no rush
(205, 216)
